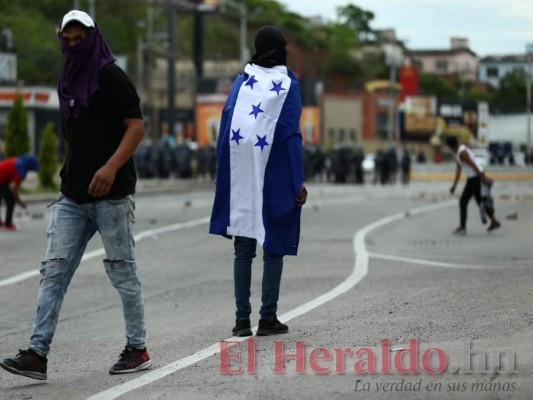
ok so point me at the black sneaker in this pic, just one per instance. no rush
(242, 328)
(131, 360)
(459, 232)
(26, 363)
(273, 327)
(493, 225)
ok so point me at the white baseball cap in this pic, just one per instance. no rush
(76, 15)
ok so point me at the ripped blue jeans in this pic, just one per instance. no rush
(70, 228)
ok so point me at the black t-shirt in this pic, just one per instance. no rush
(94, 136)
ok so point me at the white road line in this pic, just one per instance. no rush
(360, 270)
(18, 278)
(430, 262)
(165, 229)
(100, 252)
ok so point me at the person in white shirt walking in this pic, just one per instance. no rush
(465, 160)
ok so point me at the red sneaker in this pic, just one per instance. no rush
(11, 227)
(131, 360)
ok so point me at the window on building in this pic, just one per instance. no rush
(520, 71)
(342, 135)
(492, 72)
(441, 65)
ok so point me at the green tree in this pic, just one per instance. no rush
(34, 24)
(473, 96)
(48, 157)
(332, 47)
(36, 45)
(17, 137)
(358, 20)
(511, 95)
(341, 59)
(430, 84)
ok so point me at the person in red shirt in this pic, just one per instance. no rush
(13, 171)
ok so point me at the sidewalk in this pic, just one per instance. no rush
(428, 172)
(144, 187)
(446, 172)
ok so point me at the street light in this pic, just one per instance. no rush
(393, 58)
(529, 52)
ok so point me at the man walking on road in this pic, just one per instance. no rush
(103, 125)
(259, 186)
(464, 159)
(13, 171)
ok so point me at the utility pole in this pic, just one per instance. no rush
(140, 64)
(148, 69)
(392, 102)
(529, 53)
(528, 103)
(245, 54)
(92, 11)
(393, 59)
(199, 43)
(172, 10)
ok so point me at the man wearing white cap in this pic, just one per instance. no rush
(103, 125)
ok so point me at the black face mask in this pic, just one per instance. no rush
(269, 48)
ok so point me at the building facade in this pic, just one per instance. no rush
(458, 60)
(493, 68)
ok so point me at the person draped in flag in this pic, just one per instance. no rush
(13, 171)
(260, 176)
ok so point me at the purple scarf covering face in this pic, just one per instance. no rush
(79, 77)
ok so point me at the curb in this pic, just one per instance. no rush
(448, 176)
(144, 188)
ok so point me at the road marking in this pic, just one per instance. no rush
(165, 229)
(100, 252)
(360, 270)
(430, 262)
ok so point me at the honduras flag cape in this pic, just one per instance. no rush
(260, 168)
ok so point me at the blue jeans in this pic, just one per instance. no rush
(70, 227)
(242, 273)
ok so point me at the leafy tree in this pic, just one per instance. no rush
(265, 12)
(511, 95)
(358, 20)
(430, 84)
(36, 45)
(17, 137)
(34, 32)
(473, 96)
(373, 67)
(345, 37)
(48, 157)
(34, 25)
(221, 42)
(341, 45)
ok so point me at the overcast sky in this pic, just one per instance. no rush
(492, 26)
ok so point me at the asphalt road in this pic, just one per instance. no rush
(382, 302)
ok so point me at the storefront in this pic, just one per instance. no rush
(42, 105)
